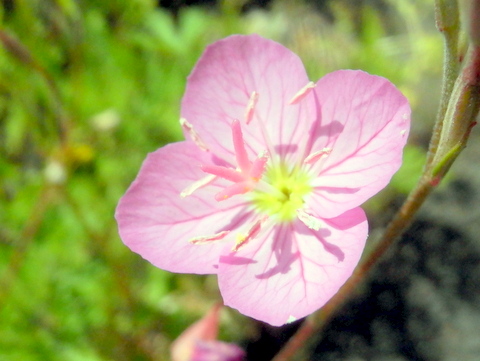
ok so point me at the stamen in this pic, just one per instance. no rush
(242, 240)
(188, 128)
(316, 156)
(208, 239)
(197, 185)
(239, 146)
(310, 221)
(252, 102)
(302, 93)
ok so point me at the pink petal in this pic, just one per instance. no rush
(157, 223)
(220, 87)
(293, 270)
(217, 351)
(365, 122)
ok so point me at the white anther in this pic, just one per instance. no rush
(310, 221)
(316, 156)
(188, 127)
(208, 239)
(252, 102)
(302, 93)
(197, 185)
(402, 133)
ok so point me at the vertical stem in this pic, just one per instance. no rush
(460, 115)
(447, 20)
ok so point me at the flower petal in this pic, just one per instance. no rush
(220, 88)
(156, 222)
(293, 270)
(365, 122)
(217, 351)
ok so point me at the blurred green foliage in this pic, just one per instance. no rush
(87, 89)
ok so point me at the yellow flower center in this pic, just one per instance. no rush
(285, 194)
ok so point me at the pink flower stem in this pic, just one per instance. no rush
(450, 137)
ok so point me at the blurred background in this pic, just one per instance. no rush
(87, 89)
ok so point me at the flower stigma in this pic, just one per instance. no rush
(285, 194)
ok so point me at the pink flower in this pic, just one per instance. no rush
(199, 342)
(265, 190)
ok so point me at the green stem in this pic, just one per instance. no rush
(447, 20)
(460, 115)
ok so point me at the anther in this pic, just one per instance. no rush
(208, 239)
(252, 102)
(188, 128)
(302, 93)
(197, 185)
(310, 221)
(316, 156)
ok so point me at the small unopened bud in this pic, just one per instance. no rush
(199, 342)
(206, 329)
(217, 351)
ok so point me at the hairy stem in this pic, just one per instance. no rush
(447, 20)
